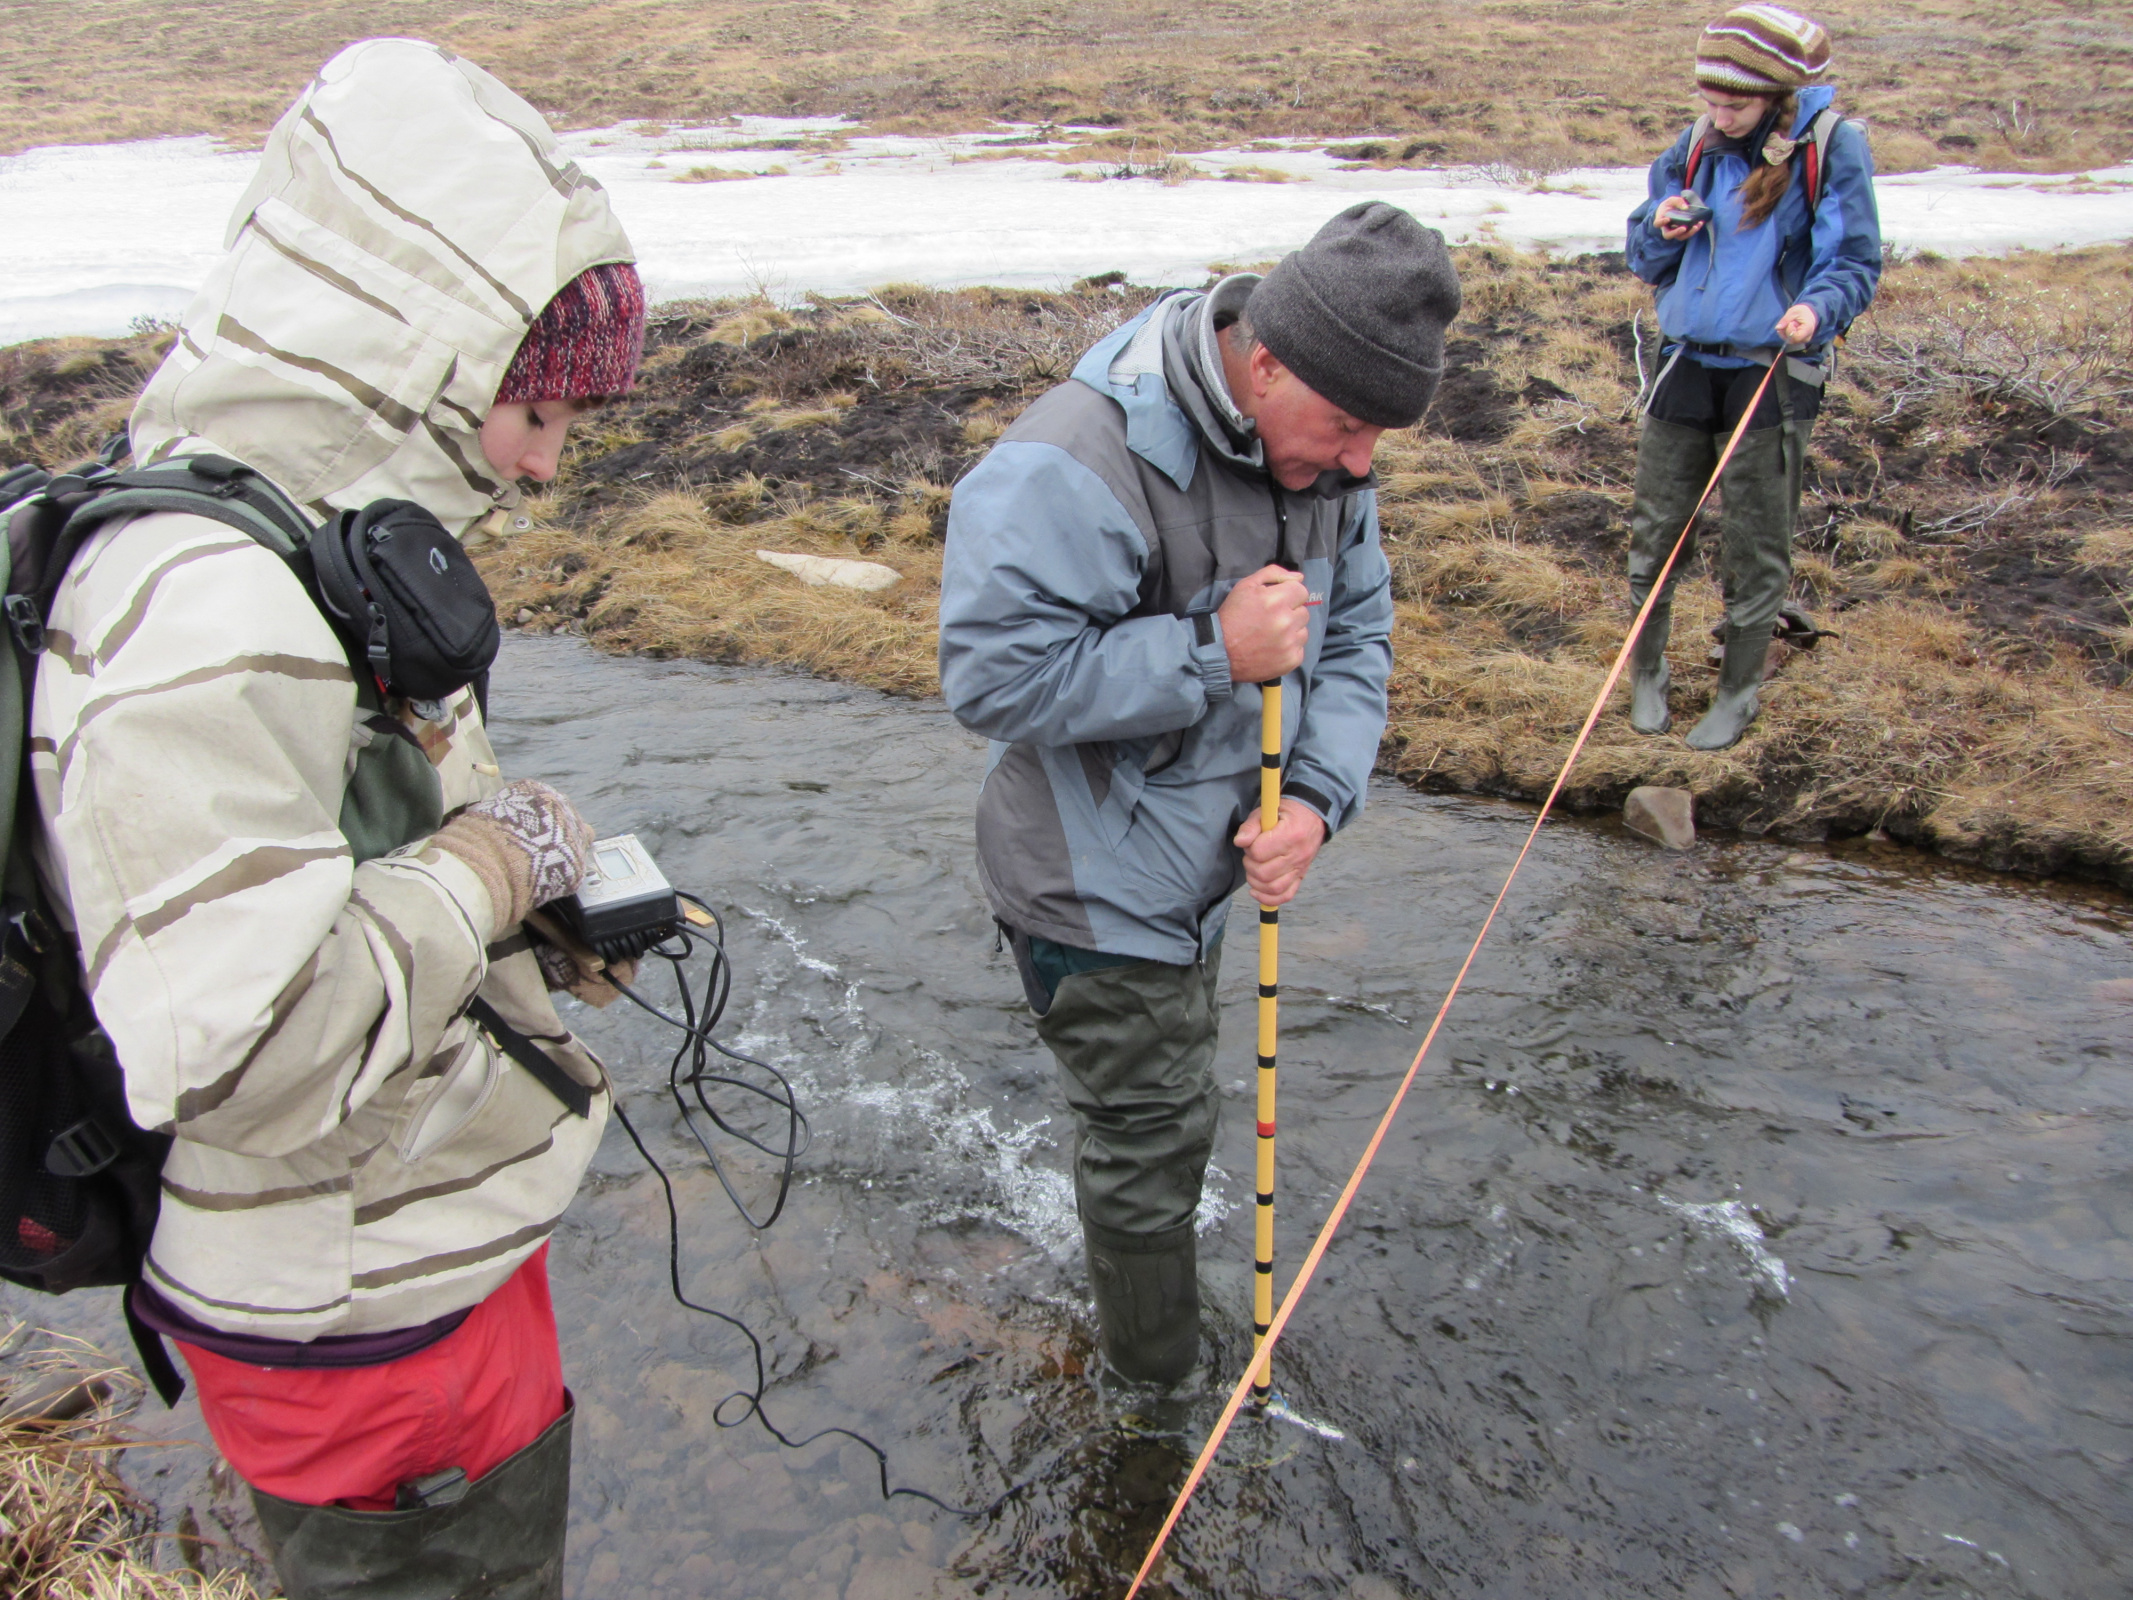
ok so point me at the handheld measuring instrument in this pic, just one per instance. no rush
(625, 906)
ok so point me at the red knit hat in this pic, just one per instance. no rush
(586, 342)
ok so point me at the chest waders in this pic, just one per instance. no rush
(1760, 483)
(499, 1538)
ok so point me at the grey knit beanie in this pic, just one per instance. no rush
(1359, 313)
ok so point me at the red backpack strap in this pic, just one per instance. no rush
(1815, 149)
(1697, 136)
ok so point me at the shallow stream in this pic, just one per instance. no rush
(1758, 1226)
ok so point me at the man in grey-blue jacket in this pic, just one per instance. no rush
(1190, 516)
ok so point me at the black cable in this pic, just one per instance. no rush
(718, 984)
(697, 1041)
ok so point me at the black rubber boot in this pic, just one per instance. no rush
(1147, 1288)
(1649, 675)
(500, 1539)
(1735, 704)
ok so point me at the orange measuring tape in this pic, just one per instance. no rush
(1263, 1346)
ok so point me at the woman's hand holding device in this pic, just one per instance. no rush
(1680, 215)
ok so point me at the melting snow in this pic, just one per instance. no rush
(102, 234)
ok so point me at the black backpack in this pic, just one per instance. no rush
(80, 1183)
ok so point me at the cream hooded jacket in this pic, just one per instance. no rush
(350, 1154)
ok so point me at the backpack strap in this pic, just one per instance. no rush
(1698, 137)
(199, 486)
(1814, 152)
(148, 1344)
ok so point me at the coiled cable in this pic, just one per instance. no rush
(698, 1016)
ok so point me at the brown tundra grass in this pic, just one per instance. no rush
(69, 1529)
(1963, 533)
(2040, 85)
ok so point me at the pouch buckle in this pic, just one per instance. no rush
(25, 624)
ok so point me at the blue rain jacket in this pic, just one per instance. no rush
(1086, 556)
(1727, 285)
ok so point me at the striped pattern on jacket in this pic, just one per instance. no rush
(351, 1155)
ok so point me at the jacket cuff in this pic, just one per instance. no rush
(1312, 800)
(1210, 657)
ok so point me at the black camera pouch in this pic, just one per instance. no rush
(406, 598)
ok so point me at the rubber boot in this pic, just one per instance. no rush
(501, 1538)
(1735, 704)
(1147, 1288)
(1649, 675)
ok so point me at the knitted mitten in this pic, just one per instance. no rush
(526, 843)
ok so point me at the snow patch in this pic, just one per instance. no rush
(90, 223)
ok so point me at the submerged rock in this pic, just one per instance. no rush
(1664, 816)
(843, 573)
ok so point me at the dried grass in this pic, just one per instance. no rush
(1960, 707)
(2053, 346)
(963, 339)
(2106, 548)
(2034, 87)
(69, 1528)
(672, 576)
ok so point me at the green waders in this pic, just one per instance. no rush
(500, 1538)
(1136, 1050)
(1760, 490)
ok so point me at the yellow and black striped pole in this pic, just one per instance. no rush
(1269, 1015)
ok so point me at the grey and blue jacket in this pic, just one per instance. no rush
(1725, 285)
(1087, 555)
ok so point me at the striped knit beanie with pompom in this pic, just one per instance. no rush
(586, 342)
(1761, 49)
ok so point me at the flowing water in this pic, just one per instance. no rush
(1757, 1227)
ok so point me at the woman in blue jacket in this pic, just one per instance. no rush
(1762, 239)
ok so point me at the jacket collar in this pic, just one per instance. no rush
(1811, 102)
(1163, 369)
(1127, 365)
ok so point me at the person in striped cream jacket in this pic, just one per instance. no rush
(418, 295)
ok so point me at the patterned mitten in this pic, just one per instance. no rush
(527, 845)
